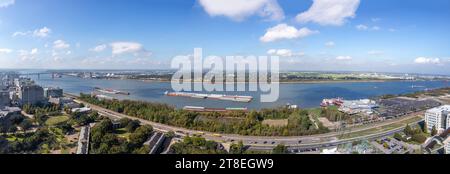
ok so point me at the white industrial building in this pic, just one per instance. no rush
(358, 106)
(438, 117)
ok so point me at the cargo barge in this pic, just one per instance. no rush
(204, 109)
(234, 98)
(110, 91)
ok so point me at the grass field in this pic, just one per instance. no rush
(122, 133)
(12, 138)
(276, 123)
(382, 128)
(52, 121)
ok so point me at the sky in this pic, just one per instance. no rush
(407, 36)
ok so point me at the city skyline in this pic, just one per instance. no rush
(324, 35)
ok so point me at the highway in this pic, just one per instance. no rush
(263, 142)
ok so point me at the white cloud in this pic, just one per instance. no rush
(28, 55)
(344, 58)
(376, 28)
(99, 48)
(375, 52)
(34, 51)
(329, 12)
(376, 19)
(284, 31)
(60, 44)
(283, 53)
(362, 27)
(129, 47)
(6, 3)
(238, 10)
(19, 33)
(426, 60)
(330, 44)
(43, 32)
(392, 29)
(5, 51)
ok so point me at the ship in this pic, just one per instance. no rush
(111, 91)
(417, 86)
(332, 102)
(234, 98)
(205, 109)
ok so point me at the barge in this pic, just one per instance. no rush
(110, 91)
(234, 98)
(204, 109)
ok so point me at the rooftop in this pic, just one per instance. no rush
(440, 109)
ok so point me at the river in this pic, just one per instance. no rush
(301, 94)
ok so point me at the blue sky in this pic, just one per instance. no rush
(344, 35)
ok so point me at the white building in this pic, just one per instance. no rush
(438, 117)
(81, 110)
(358, 106)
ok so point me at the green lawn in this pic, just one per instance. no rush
(122, 133)
(382, 128)
(12, 138)
(52, 121)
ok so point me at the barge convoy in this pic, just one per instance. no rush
(110, 91)
(204, 109)
(234, 98)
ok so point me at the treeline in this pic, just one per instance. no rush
(196, 145)
(11, 123)
(434, 92)
(41, 109)
(30, 142)
(104, 139)
(333, 114)
(250, 123)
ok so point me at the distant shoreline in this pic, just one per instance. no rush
(300, 82)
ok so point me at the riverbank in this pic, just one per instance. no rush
(289, 82)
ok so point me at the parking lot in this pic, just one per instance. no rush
(391, 146)
(397, 107)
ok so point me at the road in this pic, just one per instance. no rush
(263, 142)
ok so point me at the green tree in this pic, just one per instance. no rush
(132, 125)
(408, 131)
(25, 125)
(398, 137)
(425, 128)
(140, 136)
(433, 131)
(280, 149)
(3, 145)
(170, 134)
(420, 138)
(237, 148)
